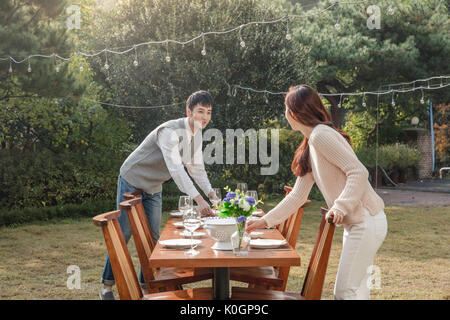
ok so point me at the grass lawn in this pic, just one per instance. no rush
(413, 261)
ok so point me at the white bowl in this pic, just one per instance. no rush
(221, 229)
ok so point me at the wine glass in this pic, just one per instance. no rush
(191, 221)
(242, 186)
(185, 203)
(253, 194)
(215, 202)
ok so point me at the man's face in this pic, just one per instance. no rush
(200, 115)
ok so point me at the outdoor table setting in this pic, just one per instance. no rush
(189, 240)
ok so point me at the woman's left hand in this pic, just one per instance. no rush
(336, 215)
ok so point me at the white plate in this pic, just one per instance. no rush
(267, 243)
(258, 213)
(180, 243)
(255, 234)
(176, 214)
(179, 224)
(187, 234)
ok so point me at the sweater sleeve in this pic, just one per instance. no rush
(292, 202)
(335, 149)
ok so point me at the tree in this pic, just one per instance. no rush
(413, 43)
(268, 60)
(34, 27)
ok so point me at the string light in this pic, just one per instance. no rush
(135, 62)
(266, 99)
(204, 46)
(56, 64)
(81, 66)
(232, 29)
(337, 26)
(422, 100)
(167, 51)
(288, 33)
(364, 101)
(340, 102)
(29, 66)
(393, 101)
(241, 42)
(10, 70)
(391, 10)
(106, 61)
(379, 92)
(248, 95)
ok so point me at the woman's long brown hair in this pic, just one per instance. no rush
(305, 106)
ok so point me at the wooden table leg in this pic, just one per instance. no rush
(221, 284)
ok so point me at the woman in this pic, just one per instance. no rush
(326, 158)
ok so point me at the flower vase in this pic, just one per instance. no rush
(240, 240)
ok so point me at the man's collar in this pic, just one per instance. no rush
(188, 127)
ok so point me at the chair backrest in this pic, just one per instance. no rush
(123, 269)
(142, 235)
(132, 194)
(315, 275)
(290, 229)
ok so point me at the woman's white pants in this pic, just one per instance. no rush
(360, 244)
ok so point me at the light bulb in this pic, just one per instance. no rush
(57, 68)
(339, 105)
(248, 96)
(242, 43)
(391, 10)
(10, 69)
(135, 63)
(203, 52)
(422, 101)
(267, 100)
(364, 104)
(167, 58)
(81, 68)
(337, 26)
(29, 68)
(106, 66)
(393, 103)
(288, 36)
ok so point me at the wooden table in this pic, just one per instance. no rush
(221, 261)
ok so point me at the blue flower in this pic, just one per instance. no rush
(241, 219)
(250, 200)
(226, 199)
(236, 202)
(231, 195)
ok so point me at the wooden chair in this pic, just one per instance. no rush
(273, 277)
(123, 269)
(161, 279)
(315, 275)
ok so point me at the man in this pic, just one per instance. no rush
(164, 154)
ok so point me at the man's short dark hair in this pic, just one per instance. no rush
(200, 97)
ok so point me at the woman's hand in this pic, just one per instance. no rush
(336, 215)
(255, 224)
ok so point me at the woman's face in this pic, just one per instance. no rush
(292, 122)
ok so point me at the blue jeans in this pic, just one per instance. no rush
(152, 204)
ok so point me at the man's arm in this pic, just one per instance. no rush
(168, 143)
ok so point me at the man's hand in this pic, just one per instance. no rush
(255, 224)
(203, 206)
(212, 196)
